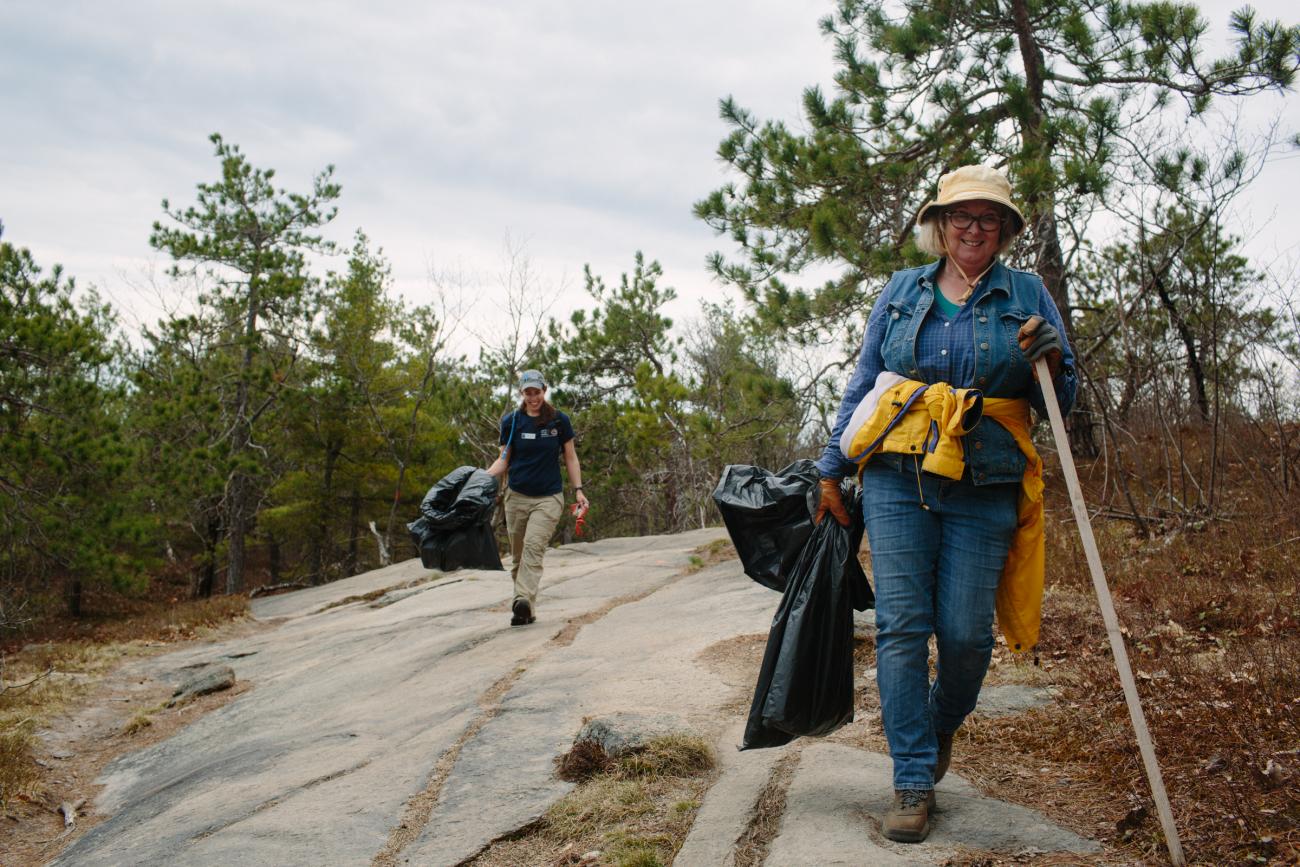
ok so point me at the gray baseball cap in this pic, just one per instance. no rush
(532, 379)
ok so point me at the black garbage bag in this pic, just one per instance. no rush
(769, 518)
(473, 547)
(805, 684)
(768, 515)
(462, 497)
(454, 530)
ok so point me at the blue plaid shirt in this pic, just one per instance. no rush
(948, 350)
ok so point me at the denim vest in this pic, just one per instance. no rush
(1000, 305)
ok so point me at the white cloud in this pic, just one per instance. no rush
(587, 127)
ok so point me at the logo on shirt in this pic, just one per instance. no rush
(550, 432)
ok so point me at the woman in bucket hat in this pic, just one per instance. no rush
(939, 545)
(535, 436)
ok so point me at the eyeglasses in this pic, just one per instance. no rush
(988, 221)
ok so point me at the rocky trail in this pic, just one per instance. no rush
(413, 725)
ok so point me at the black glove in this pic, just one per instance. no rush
(1038, 339)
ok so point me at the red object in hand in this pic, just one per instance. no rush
(580, 518)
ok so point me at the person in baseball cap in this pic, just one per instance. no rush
(535, 439)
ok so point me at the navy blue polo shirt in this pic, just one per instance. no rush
(535, 452)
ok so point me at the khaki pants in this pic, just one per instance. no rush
(530, 523)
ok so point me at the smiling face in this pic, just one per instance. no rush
(533, 398)
(973, 247)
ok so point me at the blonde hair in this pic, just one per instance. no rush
(929, 233)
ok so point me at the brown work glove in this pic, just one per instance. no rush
(1038, 340)
(831, 502)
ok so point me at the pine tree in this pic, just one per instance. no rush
(1054, 91)
(250, 239)
(63, 514)
(179, 419)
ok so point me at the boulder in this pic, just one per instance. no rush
(621, 733)
(212, 679)
(1012, 698)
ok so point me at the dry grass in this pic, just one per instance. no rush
(676, 755)
(1224, 721)
(752, 847)
(1210, 611)
(18, 772)
(41, 680)
(138, 723)
(602, 804)
(73, 663)
(117, 619)
(77, 747)
(635, 812)
(711, 554)
(379, 592)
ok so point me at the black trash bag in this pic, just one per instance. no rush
(860, 593)
(805, 684)
(454, 530)
(473, 547)
(462, 497)
(769, 516)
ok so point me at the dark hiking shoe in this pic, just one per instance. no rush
(523, 613)
(945, 755)
(908, 820)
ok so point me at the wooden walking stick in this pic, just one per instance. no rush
(1108, 615)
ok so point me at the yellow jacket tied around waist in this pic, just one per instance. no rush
(928, 422)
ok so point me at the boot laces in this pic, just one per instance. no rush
(909, 798)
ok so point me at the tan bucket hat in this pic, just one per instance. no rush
(969, 183)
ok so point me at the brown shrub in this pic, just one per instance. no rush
(1209, 606)
(582, 762)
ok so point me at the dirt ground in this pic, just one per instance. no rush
(120, 713)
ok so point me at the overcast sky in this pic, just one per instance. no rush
(582, 129)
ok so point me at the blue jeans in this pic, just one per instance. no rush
(937, 552)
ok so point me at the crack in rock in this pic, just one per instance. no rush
(421, 806)
(272, 802)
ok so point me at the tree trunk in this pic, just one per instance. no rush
(321, 547)
(208, 579)
(274, 560)
(238, 523)
(1049, 260)
(242, 436)
(1195, 373)
(392, 510)
(354, 531)
(74, 596)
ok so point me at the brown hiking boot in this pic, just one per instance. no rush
(908, 820)
(945, 755)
